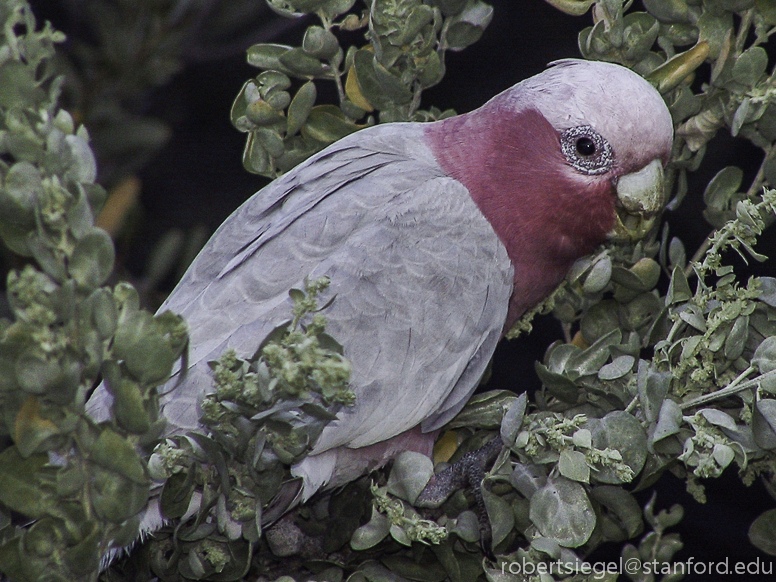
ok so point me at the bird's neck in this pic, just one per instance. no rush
(545, 216)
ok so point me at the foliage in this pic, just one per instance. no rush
(405, 55)
(264, 415)
(119, 52)
(671, 364)
(668, 363)
(81, 482)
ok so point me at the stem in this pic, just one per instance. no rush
(328, 25)
(733, 388)
(757, 184)
(743, 30)
(759, 179)
(632, 404)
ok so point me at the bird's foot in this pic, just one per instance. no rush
(468, 472)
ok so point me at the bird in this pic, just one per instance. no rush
(435, 237)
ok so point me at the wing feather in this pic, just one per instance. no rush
(422, 283)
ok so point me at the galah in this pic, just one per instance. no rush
(436, 237)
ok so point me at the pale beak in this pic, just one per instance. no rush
(640, 198)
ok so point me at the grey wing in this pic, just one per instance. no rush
(422, 283)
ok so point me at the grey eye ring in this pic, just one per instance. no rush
(587, 150)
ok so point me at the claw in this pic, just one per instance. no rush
(468, 471)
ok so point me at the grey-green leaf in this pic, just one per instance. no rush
(372, 533)
(410, 473)
(762, 532)
(572, 465)
(562, 510)
(300, 108)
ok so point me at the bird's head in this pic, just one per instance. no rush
(613, 127)
(565, 159)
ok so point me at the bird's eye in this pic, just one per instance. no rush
(585, 146)
(587, 150)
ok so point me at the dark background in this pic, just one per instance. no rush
(198, 179)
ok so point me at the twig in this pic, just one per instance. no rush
(730, 389)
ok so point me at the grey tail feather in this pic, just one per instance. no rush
(288, 497)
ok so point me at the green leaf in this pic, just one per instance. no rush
(617, 368)
(327, 124)
(750, 66)
(572, 465)
(400, 535)
(764, 423)
(678, 289)
(256, 158)
(333, 8)
(320, 43)
(412, 570)
(267, 56)
(372, 533)
(621, 505)
(762, 532)
(420, 16)
(147, 354)
(104, 316)
(114, 497)
(301, 64)
(129, 407)
(500, 515)
(410, 473)
(572, 7)
(741, 116)
(589, 361)
(35, 373)
(115, 453)
(599, 276)
(641, 277)
(467, 27)
(84, 558)
(484, 410)
(668, 421)
(767, 10)
(718, 418)
(640, 311)
(467, 527)
(367, 81)
(30, 429)
(722, 187)
(714, 29)
(450, 7)
(300, 108)
(737, 338)
(561, 510)
(546, 546)
(599, 320)
(513, 420)
(765, 355)
(639, 34)
(270, 140)
(392, 86)
(557, 384)
(18, 85)
(620, 431)
(92, 260)
(670, 11)
(262, 113)
(21, 485)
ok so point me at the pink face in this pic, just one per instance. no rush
(545, 212)
(550, 195)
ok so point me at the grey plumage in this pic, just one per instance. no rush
(422, 285)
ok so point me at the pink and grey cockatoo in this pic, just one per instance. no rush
(436, 237)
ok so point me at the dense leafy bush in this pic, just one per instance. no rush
(669, 363)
